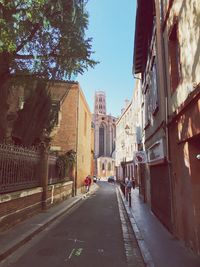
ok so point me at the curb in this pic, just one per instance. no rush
(93, 189)
(29, 235)
(140, 240)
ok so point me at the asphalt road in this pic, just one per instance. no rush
(96, 234)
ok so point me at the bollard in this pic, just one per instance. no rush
(129, 199)
(126, 193)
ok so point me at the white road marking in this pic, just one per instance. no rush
(76, 240)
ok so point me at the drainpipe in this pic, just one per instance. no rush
(76, 167)
(165, 80)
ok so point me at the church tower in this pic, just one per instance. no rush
(104, 137)
(100, 103)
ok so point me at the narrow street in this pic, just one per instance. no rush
(97, 233)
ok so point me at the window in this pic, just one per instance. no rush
(101, 140)
(109, 166)
(56, 113)
(174, 57)
(103, 167)
(154, 87)
(147, 107)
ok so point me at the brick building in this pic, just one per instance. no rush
(31, 188)
(73, 130)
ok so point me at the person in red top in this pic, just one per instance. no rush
(87, 183)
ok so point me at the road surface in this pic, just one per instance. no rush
(95, 234)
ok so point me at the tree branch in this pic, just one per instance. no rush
(29, 38)
(17, 56)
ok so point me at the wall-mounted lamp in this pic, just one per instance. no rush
(198, 156)
(127, 130)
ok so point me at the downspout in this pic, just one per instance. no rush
(166, 125)
(77, 139)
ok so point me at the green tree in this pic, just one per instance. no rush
(44, 38)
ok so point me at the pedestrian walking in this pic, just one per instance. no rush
(133, 183)
(126, 180)
(129, 185)
(90, 181)
(87, 183)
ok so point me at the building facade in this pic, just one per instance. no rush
(125, 137)
(166, 55)
(73, 131)
(104, 136)
(181, 35)
(148, 61)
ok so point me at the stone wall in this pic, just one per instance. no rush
(20, 205)
(59, 192)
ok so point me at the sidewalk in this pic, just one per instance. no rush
(159, 248)
(21, 233)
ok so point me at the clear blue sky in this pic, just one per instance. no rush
(111, 25)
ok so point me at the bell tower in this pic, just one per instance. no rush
(100, 103)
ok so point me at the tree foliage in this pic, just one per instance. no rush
(45, 37)
(65, 163)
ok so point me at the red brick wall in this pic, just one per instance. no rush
(66, 138)
(18, 208)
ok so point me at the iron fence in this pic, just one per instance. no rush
(18, 168)
(54, 174)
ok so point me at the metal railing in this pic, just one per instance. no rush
(18, 168)
(54, 174)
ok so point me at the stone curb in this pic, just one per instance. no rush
(141, 242)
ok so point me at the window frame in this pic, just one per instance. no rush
(174, 49)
